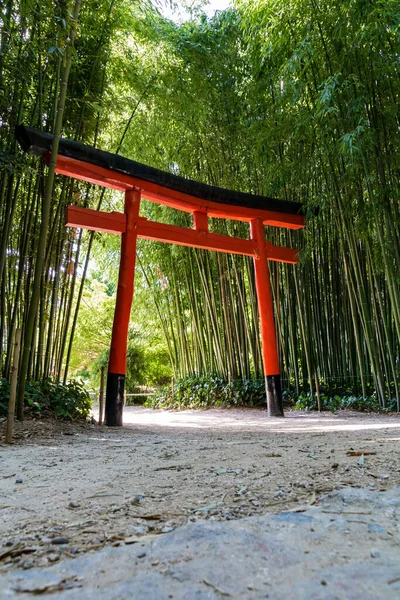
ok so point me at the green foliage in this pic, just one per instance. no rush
(70, 402)
(144, 366)
(307, 402)
(205, 392)
(335, 396)
(4, 396)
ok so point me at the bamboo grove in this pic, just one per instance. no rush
(296, 99)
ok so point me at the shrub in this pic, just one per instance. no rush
(203, 392)
(69, 401)
(4, 396)
(336, 402)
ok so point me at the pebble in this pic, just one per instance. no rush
(167, 529)
(375, 553)
(19, 480)
(27, 564)
(141, 554)
(53, 557)
(60, 540)
(138, 529)
(45, 539)
(137, 500)
(375, 528)
(73, 505)
(74, 550)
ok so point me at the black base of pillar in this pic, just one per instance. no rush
(114, 399)
(274, 395)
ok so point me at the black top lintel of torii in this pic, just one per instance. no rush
(39, 143)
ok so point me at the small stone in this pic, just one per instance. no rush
(45, 539)
(96, 541)
(53, 557)
(375, 553)
(73, 505)
(9, 543)
(137, 500)
(27, 564)
(380, 477)
(60, 540)
(138, 529)
(167, 529)
(324, 582)
(141, 554)
(375, 528)
(19, 480)
(74, 550)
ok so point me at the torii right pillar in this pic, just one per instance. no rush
(267, 323)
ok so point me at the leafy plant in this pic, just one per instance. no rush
(4, 396)
(205, 392)
(70, 401)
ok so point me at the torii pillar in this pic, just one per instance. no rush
(267, 323)
(119, 340)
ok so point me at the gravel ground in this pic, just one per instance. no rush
(76, 493)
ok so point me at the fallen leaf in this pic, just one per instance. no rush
(206, 508)
(221, 471)
(47, 588)
(134, 539)
(18, 550)
(359, 453)
(312, 499)
(215, 588)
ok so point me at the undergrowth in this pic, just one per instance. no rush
(206, 392)
(47, 398)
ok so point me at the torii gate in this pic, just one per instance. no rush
(202, 201)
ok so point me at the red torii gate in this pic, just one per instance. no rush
(202, 201)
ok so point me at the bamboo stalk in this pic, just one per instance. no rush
(13, 388)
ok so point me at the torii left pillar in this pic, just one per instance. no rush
(119, 341)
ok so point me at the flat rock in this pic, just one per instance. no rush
(292, 555)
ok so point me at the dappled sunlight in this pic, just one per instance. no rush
(246, 419)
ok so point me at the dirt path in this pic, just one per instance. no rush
(92, 486)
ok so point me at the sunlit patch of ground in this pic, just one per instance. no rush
(101, 486)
